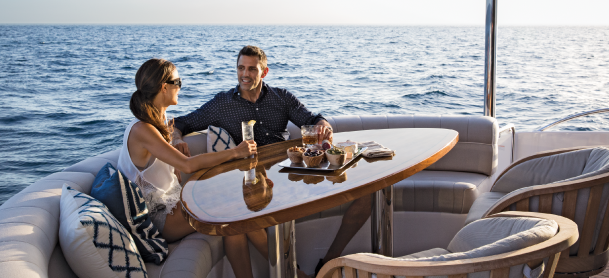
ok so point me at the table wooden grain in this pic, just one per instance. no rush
(217, 202)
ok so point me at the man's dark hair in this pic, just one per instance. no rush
(253, 51)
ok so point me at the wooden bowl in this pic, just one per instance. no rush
(336, 159)
(295, 157)
(313, 161)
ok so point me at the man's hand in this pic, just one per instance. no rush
(181, 146)
(326, 132)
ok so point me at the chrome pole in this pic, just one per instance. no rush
(282, 250)
(382, 222)
(490, 58)
(275, 236)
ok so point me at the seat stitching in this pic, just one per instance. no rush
(1, 209)
(41, 252)
(45, 234)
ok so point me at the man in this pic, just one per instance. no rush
(252, 99)
(271, 107)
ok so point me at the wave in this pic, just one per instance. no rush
(430, 94)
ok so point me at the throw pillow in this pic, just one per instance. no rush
(218, 139)
(126, 202)
(93, 242)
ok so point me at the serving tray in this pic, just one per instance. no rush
(324, 166)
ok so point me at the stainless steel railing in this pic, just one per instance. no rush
(603, 110)
(490, 58)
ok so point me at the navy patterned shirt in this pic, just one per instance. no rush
(272, 110)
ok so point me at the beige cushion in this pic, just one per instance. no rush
(496, 235)
(543, 170)
(475, 152)
(427, 253)
(193, 256)
(58, 266)
(556, 168)
(197, 142)
(491, 236)
(482, 204)
(94, 164)
(438, 191)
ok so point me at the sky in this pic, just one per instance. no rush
(310, 12)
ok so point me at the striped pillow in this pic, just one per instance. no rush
(126, 202)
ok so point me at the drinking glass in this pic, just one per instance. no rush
(310, 135)
(247, 130)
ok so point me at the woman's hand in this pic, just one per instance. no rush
(246, 148)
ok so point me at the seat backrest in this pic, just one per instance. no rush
(586, 205)
(543, 170)
(475, 152)
(498, 235)
(29, 225)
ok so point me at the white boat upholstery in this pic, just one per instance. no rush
(449, 185)
(452, 183)
(29, 225)
(29, 221)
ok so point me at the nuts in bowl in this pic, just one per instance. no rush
(295, 154)
(313, 158)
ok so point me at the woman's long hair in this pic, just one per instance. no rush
(149, 81)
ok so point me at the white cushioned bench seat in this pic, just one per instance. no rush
(93, 164)
(29, 225)
(452, 183)
(449, 185)
(192, 257)
(438, 191)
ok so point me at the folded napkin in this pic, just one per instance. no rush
(375, 149)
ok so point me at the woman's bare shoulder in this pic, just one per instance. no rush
(143, 130)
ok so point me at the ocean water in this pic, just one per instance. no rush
(64, 93)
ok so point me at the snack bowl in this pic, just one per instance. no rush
(313, 161)
(295, 154)
(336, 159)
(336, 156)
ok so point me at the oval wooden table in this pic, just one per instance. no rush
(217, 201)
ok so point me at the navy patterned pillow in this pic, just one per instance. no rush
(218, 139)
(126, 202)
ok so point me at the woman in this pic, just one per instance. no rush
(148, 159)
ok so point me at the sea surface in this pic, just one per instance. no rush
(64, 90)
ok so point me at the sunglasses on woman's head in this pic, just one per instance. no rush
(177, 82)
